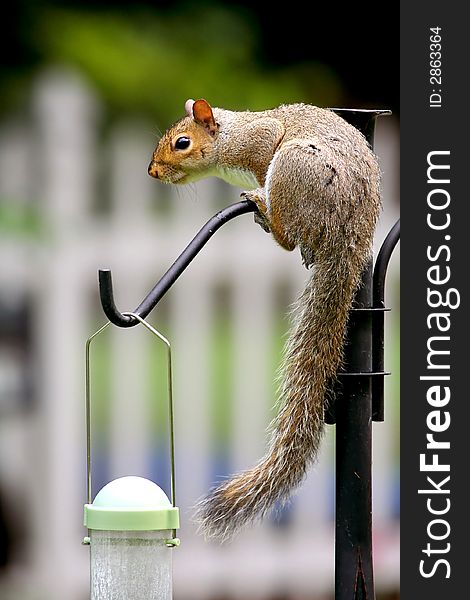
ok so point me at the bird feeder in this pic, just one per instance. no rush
(131, 523)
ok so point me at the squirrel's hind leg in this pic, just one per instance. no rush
(269, 222)
(308, 256)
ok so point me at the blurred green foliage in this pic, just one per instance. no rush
(146, 61)
(150, 61)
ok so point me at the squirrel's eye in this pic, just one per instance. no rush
(182, 143)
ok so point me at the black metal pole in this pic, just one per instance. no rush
(354, 575)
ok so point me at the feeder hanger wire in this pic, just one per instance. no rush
(162, 338)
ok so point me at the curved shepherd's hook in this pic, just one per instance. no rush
(378, 337)
(195, 246)
(169, 278)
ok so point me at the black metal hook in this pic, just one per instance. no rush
(381, 263)
(169, 278)
(195, 246)
(378, 330)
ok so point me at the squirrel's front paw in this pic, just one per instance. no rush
(262, 222)
(260, 216)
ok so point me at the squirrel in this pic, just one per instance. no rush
(316, 185)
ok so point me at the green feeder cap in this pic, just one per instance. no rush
(131, 504)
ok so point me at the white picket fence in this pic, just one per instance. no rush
(63, 160)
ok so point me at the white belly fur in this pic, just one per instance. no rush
(239, 177)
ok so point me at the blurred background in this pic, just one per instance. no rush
(85, 89)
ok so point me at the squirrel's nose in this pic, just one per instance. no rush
(152, 170)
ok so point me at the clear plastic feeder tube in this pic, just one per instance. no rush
(129, 565)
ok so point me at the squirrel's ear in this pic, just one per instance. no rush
(188, 107)
(203, 115)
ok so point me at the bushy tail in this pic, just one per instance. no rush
(312, 356)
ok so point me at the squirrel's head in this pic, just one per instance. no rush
(186, 151)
